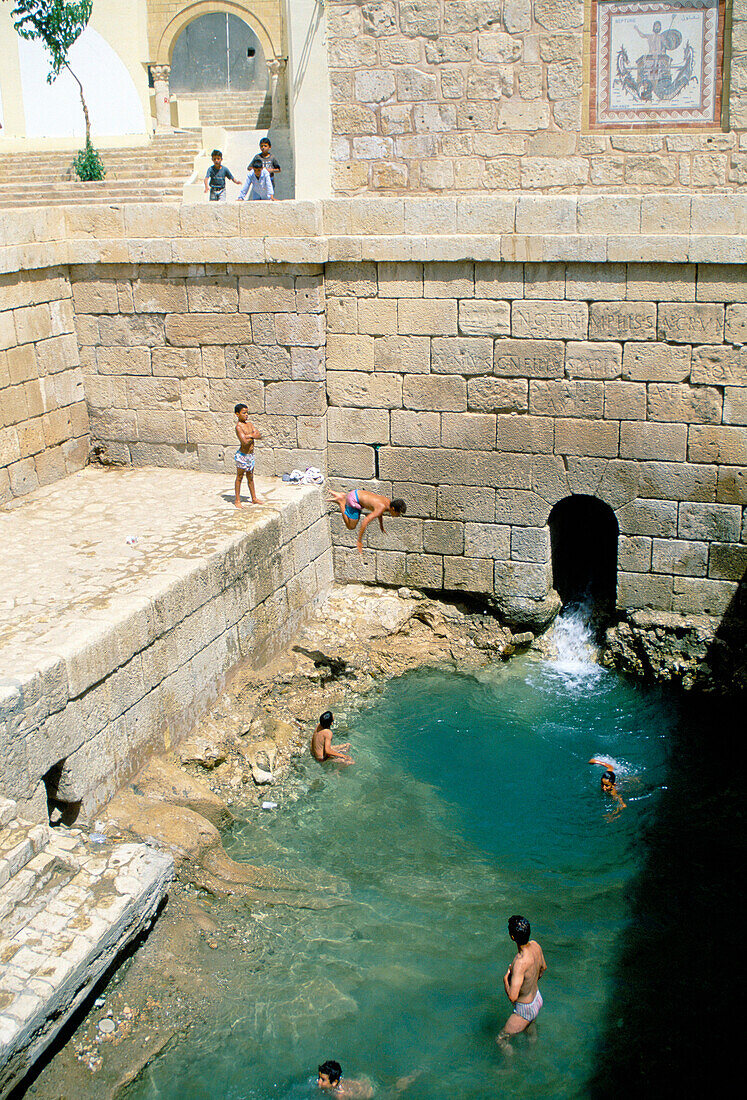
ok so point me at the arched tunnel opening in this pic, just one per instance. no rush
(583, 547)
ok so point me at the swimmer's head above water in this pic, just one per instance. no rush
(326, 720)
(329, 1072)
(519, 930)
(608, 780)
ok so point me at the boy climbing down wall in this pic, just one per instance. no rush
(357, 501)
(244, 457)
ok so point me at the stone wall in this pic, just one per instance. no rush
(470, 95)
(490, 355)
(43, 414)
(168, 351)
(486, 393)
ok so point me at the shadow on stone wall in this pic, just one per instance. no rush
(726, 658)
(672, 1017)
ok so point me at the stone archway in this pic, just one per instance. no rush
(191, 12)
(217, 52)
(583, 550)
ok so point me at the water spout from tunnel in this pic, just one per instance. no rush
(573, 646)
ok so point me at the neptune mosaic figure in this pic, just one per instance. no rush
(654, 78)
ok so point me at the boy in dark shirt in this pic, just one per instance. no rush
(268, 161)
(216, 177)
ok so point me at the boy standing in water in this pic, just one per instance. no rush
(244, 457)
(355, 502)
(521, 981)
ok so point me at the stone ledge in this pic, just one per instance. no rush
(670, 227)
(118, 649)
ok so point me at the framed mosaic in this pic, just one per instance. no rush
(655, 63)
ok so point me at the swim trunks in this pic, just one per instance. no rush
(244, 462)
(353, 505)
(529, 1011)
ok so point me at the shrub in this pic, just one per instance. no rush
(88, 164)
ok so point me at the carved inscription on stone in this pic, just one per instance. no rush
(528, 358)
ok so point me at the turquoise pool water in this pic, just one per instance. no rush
(470, 799)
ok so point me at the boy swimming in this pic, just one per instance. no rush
(329, 1078)
(609, 785)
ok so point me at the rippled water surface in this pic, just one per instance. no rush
(470, 799)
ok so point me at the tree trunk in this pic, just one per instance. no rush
(83, 104)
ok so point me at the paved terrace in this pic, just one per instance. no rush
(104, 643)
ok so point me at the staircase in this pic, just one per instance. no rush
(234, 110)
(148, 173)
(67, 908)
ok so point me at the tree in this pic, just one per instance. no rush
(57, 24)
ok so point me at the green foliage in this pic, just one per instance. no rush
(88, 164)
(56, 23)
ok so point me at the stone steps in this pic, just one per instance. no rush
(31, 891)
(18, 845)
(77, 194)
(67, 908)
(167, 160)
(252, 111)
(83, 199)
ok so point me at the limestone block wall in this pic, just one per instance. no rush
(168, 350)
(472, 95)
(43, 415)
(485, 393)
(484, 357)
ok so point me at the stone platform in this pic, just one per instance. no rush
(126, 598)
(67, 908)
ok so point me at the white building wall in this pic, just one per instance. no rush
(110, 60)
(308, 97)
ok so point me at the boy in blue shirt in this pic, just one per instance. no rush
(216, 176)
(258, 184)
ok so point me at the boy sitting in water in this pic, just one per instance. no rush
(322, 748)
(244, 457)
(355, 502)
(330, 1079)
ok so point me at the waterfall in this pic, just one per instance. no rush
(573, 641)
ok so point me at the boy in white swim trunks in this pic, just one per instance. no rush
(521, 981)
(244, 457)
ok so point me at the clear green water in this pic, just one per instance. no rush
(470, 799)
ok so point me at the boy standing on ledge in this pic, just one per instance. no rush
(244, 457)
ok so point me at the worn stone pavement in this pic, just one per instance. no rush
(67, 908)
(64, 547)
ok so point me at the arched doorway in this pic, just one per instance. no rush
(218, 52)
(583, 546)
